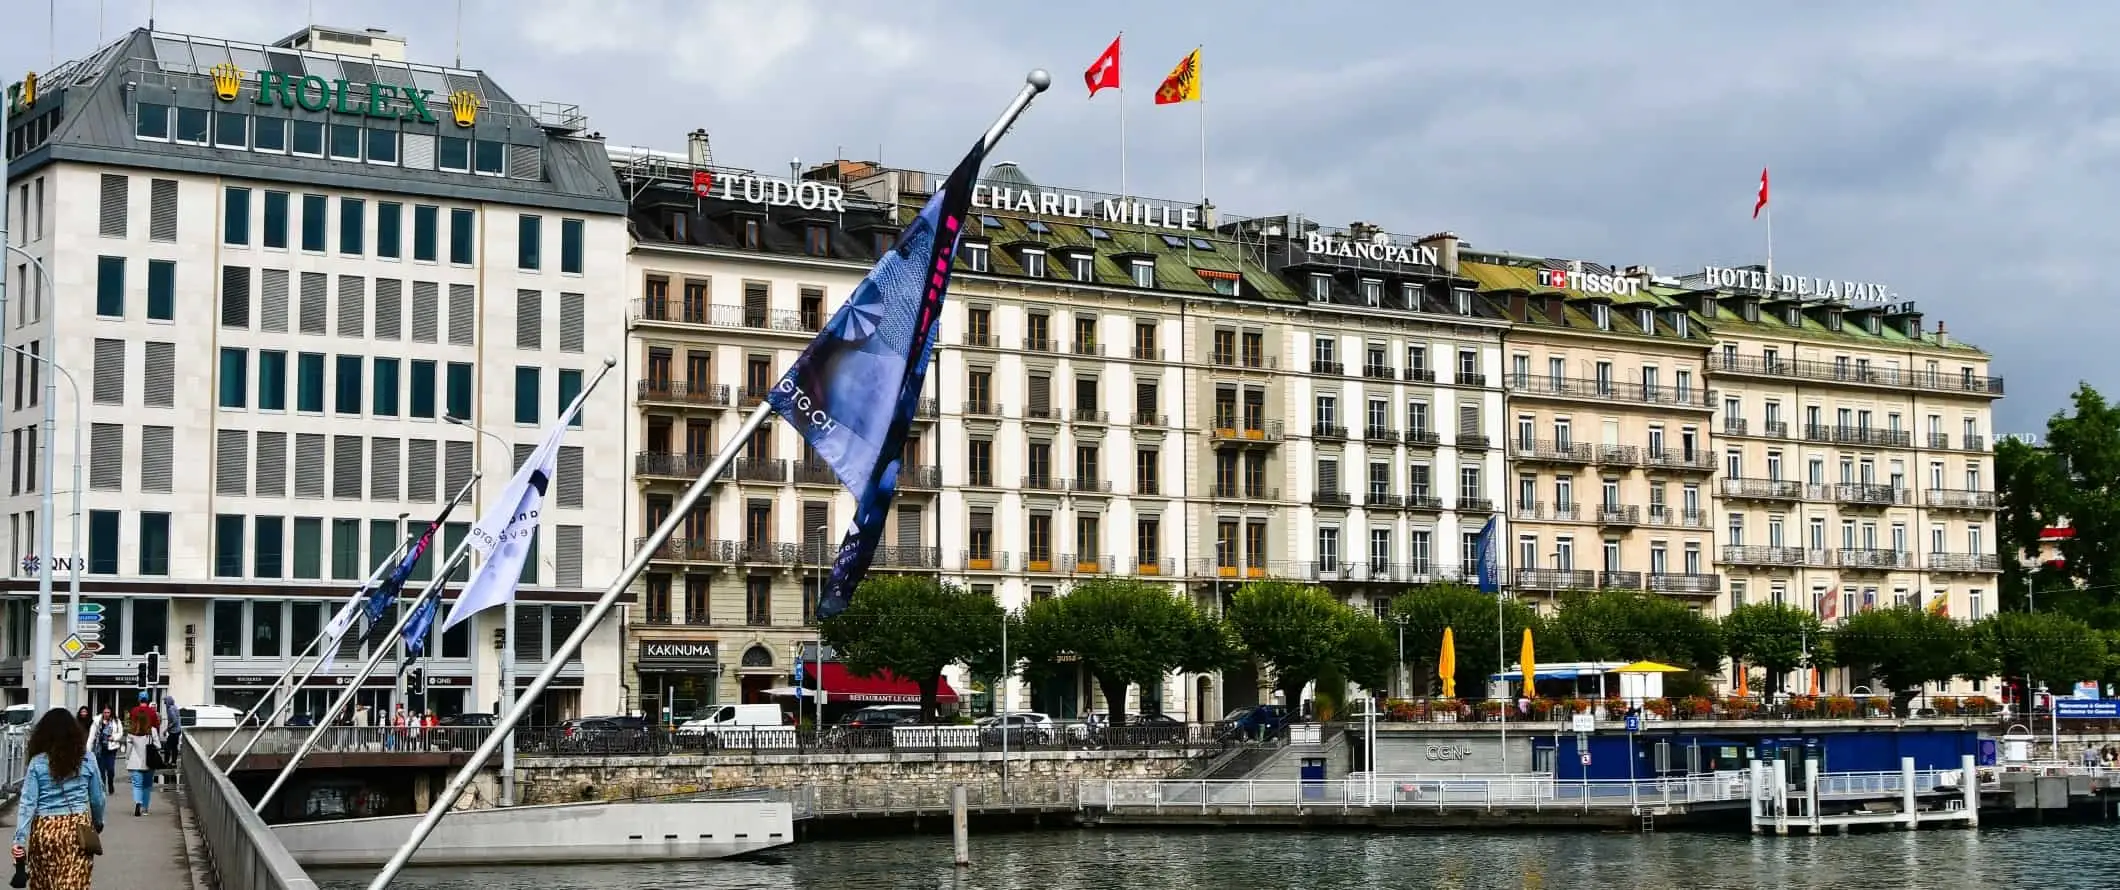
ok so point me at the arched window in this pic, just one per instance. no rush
(757, 656)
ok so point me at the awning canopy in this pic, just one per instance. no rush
(1568, 670)
(1649, 667)
(887, 689)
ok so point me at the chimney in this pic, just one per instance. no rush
(1943, 337)
(1446, 250)
(699, 151)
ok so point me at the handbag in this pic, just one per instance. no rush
(85, 830)
(154, 756)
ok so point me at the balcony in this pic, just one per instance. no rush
(1813, 432)
(1338, 500)
(1090, 415)
(920, 558)
(1224, 568)
(1538, 510)
(983, 560)
(1089, 486)
(1266, 433)
(768, 553)
(1579, 388)
(1042, 482)
(1662, 516)
(1762, 489)
(809, 472)
(1244, 493)
(1686, 585)
(919, 476)
(1149, 419)
(1619, 455)
(1872, 495)
(980, 340)
(1619, 580)
(1423, 439)
(1475, 505)
(1923, 381)
(928, 408)
(984, 408)
(1777, 429)
(1046, 413)
(1383, 500)
(1248, 361)
(1424, 502)
(1420, 375)
(1086, 347)
(680, 549)
(1734, 426)
(1088, 563)
(1939, 441)
(1471, 378)
(1041, 561)
(1970, 563)
(1379, 372)
(1973, 443)
(1380, 435)
(1550, 451)
(1038, 344)
(752, 469)
(750, 396)
(1873, 560)
(1324, 367)
(1150, 567)
(721, 315)
(1784, 557)
(1555, 579)
(1328, 431)
(684, 392)
(1472, 442)
(1618, 516)
(1147, 354)
(1695, 461)
(1959, 499)
(1862, 435)
(670, 466)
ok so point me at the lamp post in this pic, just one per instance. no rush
(817, 662)
(48, 520)
(41, 639)
(507, 659)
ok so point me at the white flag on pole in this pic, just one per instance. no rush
(340, 624)
(503, 535)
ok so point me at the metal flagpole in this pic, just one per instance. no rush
(1199, 86)
(1123, 194)
(1034, 83)
(286, 703)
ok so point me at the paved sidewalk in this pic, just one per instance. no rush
(144, 853)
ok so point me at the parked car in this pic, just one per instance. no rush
(881, 715)
(1022, 728)
(617, 734)
(1254, 722)
(18, 718)
(729, 723)
(1140, 731)
(461, 731)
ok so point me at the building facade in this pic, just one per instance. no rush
(276, 271)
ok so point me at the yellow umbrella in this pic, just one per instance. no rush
(1446, 666)
(1530, 665)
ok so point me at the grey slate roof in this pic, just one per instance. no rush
(88, 107)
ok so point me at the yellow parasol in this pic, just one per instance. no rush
(1446, 665)
(1530, 665)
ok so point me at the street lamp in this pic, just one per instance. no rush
(816, 594)
(507, 696)
(41, 643)
(49, 521)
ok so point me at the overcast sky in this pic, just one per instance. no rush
(1960, 152)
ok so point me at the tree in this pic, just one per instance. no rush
(1125, 633)
(2076, 477)
(1304, 634)
(1629, 625)
(1771, 636)
(914, 626)
(1904, 647)
(1471, 617)
(2040, 645)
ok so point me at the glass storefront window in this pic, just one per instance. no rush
(227, 628)
(150, 627)
(265, 638)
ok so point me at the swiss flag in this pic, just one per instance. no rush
(1105, 71)
(1762, 193)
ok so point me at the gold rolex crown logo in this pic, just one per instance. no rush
(227, 81)
(29, 89)
(463, 105)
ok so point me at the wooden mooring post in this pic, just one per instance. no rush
(960, 826)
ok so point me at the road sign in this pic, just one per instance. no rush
(90, 611)
(89, 635)
(90, 648)
(1634, 723)
(2080, 709)
(73, 646)
(1584, 722)
(1586, 758)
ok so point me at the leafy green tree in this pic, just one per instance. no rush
(1772, 637)
(1904, 647)
(1471, 617)
(1304, 633)
(914, 626)
(1629, 625)
(1125, 633)
(2076, 477)
(2055, 648)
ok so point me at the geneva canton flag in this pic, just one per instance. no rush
(852, 393)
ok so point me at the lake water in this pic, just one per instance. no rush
(2048, 858)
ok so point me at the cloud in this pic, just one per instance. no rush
(731, 47)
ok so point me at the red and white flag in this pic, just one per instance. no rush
(1762, 203)
(1105, 71)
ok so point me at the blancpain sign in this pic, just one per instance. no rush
(1798, 285)
(1386, 252)
(1590, 282)
(1118, 211)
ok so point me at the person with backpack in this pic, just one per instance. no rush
(59, 817)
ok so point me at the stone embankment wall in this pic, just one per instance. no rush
(559, 779)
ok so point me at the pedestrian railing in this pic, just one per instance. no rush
(282, 740)
(879, 799)
(1533, 791)
(12, 762)
(660, 740)
(244, 853)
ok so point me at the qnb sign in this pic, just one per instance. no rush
(1798, 285)
(1590, 282)
(770, 192)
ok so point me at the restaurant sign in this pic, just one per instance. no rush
(1798, 285)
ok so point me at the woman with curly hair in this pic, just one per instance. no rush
(60, 815)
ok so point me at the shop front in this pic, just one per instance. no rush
(677, 677)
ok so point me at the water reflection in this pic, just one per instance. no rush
(2057, 858)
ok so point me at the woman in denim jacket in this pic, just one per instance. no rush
(61, 789)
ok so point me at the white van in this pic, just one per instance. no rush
(208, 717)
(18, 718)
(729, 719)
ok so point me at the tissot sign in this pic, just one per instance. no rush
(1039, 202)
(752, 189)
(1590, 282)
(1373, 251)
(1798, 285)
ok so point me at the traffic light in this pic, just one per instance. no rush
(141, 671)
(152, 670)
(417, 682)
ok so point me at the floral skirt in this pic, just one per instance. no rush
(55, 858)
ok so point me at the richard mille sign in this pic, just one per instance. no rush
(1117, 211)
(1798, 285)
(1380, 250)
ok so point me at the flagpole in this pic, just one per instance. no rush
(287, 703)
(1200, 88)
(1034, 83)
(1769, 210)
(1123, 193)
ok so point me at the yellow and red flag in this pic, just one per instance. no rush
(1183, 84)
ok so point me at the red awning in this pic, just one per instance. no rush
(888, 689)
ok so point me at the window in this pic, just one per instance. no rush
(526, 380)
(570, 246)
(314, 211)
(1034, 263)
(453, 154)
(269, 548)
(489, 158)
(382, 146)
(272, 380)
(275, 234)
(346, 549)
(192, 125)
(162, 290)
(529, 241)
(345, 142)
(308, 138)
(309, 382)
(462, 225)
(570, 386)
(348, 390)
(308, 554)
(153, 122)
(103, 542)
(389, 219)
(154, 544)
(975, 257)
(353, 219)
(227, 546)
(458, 399)
(235, 217)
(386, 387)
(110, 286)
(1144, 273)
(235, 377)
(426, 220)
(421, 380)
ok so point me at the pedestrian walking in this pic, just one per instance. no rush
(172, 729)
(106, 742)
(84, 716)
(143, 735)
(59, 818)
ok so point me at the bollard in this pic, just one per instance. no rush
(1909, 807)
(960, 828)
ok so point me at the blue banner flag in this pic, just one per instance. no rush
(416, 629)
(386, 593)
(1487, 556)
(852, 393)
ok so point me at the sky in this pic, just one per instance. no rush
(1958, 152)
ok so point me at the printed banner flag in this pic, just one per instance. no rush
(503, 535)
(1183, 84)
(379, 600)
(1487, 557)
(852, 392)
(418, 628)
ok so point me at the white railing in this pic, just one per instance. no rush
(11, 761)
(1534, 791)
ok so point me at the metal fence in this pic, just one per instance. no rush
(12, 763)
(244, 853)
(1535, 792)
(656, 740)
(280, 740)
(882, 799)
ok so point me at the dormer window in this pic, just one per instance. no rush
(1224, 283)
(975, 257)
(1707, 306)
(753, 235)
(1678, 322)
(1038, 228)
(1646, 317)
(679, 231)
(1410, 296)
(1833, 319)
(1795, 316)
(1144, 273)
(1372, 292)
(1602, 315)
(1081, 266)
(1463, 298)
(1033, 262)
(1320, 287)
(1750, 311)
(1872, 323)
(816, 241)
